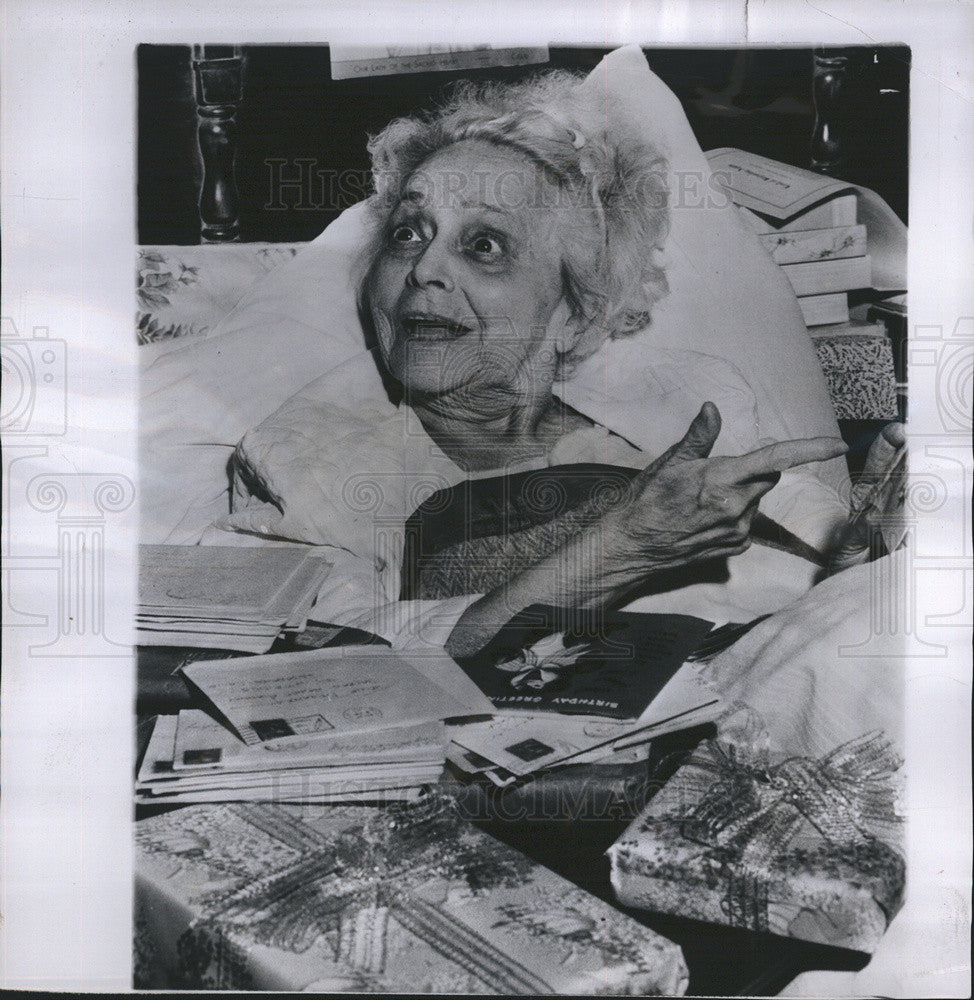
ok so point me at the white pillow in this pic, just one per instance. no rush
(727, 297)
(199, 397)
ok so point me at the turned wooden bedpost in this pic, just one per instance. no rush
(828, 143)
(218, 94)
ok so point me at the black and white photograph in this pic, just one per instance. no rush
(487, 509)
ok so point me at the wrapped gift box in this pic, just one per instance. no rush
(798, 847)
(405, 898)
(858, 366)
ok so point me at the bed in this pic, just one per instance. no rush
(230, 332)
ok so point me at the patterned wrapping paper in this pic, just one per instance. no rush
(860, 376)
(409, 899)
(799, 847)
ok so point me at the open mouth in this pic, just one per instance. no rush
(430, 326)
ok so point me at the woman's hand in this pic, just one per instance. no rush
(683, 508)
(686, 507)
(874, 499)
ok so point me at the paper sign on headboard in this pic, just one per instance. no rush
(350, 61)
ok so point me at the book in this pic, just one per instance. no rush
(781, 196)
(775, 197)
(820, 309)
(821, 277)
(841, 210)
(798, 246)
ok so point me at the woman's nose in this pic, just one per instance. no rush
(432, 268)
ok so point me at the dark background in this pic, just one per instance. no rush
(754, 99)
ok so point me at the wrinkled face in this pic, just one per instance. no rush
(467, 283)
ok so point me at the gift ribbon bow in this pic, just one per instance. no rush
(749, 812)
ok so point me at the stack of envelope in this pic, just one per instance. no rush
(357, 723)
(225, 597)
(512, 746)
(193, 758)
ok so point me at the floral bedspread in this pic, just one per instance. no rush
(184, 291)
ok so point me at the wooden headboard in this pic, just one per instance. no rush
(258, 143)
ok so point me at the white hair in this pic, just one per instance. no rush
(609, 244)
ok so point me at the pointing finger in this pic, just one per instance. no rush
(776, 458)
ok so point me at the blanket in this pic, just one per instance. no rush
(474, 537)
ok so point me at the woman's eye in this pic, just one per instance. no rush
(405, 234)
(486, 246)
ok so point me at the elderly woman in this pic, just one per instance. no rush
(511, 235)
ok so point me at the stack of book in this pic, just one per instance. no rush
(225, 597)
(334, 725)
(808, 224)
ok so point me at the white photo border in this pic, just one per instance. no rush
(69, 106)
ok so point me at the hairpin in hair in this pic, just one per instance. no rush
(578, 140)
